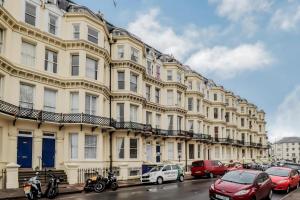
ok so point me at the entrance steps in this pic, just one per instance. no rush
(25, 175)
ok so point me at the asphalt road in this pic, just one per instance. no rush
(188, 190)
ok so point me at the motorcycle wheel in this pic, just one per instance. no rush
(99, 187)
(52, 193)
(30, 196)
(114, 186)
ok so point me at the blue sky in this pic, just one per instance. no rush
(251, 47)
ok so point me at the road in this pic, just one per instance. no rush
(189, 190)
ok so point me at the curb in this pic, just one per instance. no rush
(80, 191)
(286, 196)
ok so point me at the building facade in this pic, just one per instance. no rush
(287, 148)
(79, 92)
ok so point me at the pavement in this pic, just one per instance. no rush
(190, 189)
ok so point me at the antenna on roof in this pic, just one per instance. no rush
(115, 3)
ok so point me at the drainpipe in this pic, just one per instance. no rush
(186, 156)
(110, 117)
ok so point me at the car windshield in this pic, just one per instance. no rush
(278, 172)
(240, 177)
(156, 168)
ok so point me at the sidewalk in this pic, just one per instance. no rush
(69, 189)
(293, 195)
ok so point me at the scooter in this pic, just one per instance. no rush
(111, 181)
(32, 188)
(94, 183)
(52, 187)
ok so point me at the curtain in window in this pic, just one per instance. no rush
(170, 121)
(133, 113)
(120, 148)
(26, 96)
(49, 100)
(170, 151)
(90, 147)
(74, 145)
(51, 61)
(91, 68)
(28, 54)
(90, 104)
(74, 102)
(120, 112)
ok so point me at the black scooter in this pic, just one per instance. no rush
(32, 188)
(52, 187)
(111, 181)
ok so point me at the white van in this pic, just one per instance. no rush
(162, 173)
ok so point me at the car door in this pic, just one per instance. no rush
(219, 167)
(294, 178)
(260, 187)
(175, 172)
(214, 167)
(166, 172)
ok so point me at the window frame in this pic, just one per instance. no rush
(51, 26)
(121, 83)
(48, 63)
(134, 148)
(31, 15)
(92, 38)
(90, 146)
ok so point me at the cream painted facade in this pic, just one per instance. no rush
(107, 99)
(287, 148)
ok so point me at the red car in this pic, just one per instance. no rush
(209, 168)
(284, 179)
(242, 185)
(234, 166)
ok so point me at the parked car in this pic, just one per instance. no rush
(234, 166)
(162, 173)
(209, 168)
(242, 185)
(292, 166)
(283, 179)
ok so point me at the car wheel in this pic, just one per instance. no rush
(181, 178)
(159, 180)
(270, 195)
(288, 190)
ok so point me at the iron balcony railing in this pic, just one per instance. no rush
(83, 118)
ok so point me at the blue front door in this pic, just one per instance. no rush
(48, 154)
(24, 152)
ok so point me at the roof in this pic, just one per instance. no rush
(288, 140)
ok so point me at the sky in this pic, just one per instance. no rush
(251, 47)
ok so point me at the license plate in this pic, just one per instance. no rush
(27, 189)
(221, 197)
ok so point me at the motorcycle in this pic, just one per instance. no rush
(32, 188)
(111, 181)
(94, 183)
(52, 187)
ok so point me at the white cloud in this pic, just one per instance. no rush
(286, 19)
(226, 62)
(149, 27)
(234, 10)
(191, 46)
(286, 121)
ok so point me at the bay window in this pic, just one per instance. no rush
(52, 25)
(90, 147)
(191, 125)
(120, 148)
(179, 98)
(120, 51)
(134, 54)
(170, 98)
(30, 14)
(28, 54)
(91, 68)
(74, 96)
(179, 121)
(120, 112)
(170, 122)
(26, 96)
(92, 35)
(170, 150)
(50, 61)
(121, 80)
(157, 95)
(190, 104)
(133, 148)
(90, 104)
(73, 145)
(133, 82)
(133, 113)
(75, 65)
(76, 31)
(49, 100)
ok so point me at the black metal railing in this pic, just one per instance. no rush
(82, 118)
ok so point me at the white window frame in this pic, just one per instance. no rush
(170, 97)
(134, 54)
(119, 117)
(26, 58)
(73, 145)
(74, 106)
(91, 146)
(22, 102)
(35, 17)
(49, 104)
(121, 51)
(91, 71)
(120, 144)
(51, 25)
(170, 151)
(134, 112)
(76, 33)
(50, 63)
(95, 37)
(136, 149)
(92, 110)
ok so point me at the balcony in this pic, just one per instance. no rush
(203, 137)
(133, 126)
(222, 140)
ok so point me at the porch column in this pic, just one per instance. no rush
(12, 176)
